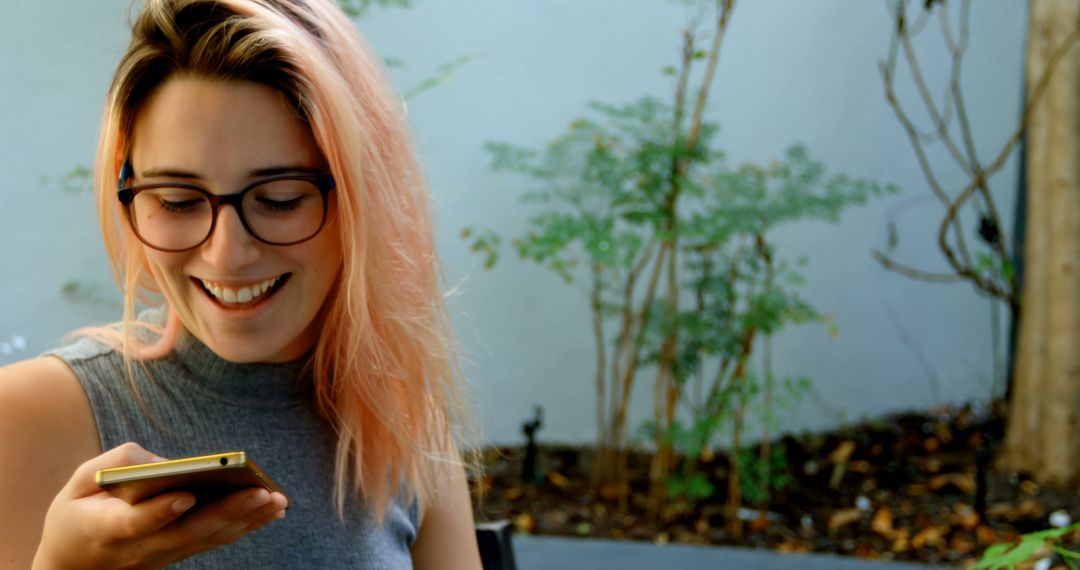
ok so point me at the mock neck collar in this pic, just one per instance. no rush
(251, 385)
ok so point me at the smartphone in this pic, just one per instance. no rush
(208, 477)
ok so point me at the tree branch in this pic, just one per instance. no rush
(942, 129)
(724, 7)
(888, 263)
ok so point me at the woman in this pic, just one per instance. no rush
(256, 184)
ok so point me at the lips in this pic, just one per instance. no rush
(243, 296)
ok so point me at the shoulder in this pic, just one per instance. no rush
(83, 349)
(46, 414)
(46, 432)
(447, 531)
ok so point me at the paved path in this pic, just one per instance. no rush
(556, 553)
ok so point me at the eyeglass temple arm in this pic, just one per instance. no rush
(126, 171)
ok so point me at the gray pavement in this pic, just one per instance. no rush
(557, 553)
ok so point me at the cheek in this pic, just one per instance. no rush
(327, 251)
(324, 262)
(166, 269)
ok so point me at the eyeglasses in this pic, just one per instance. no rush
(174, 216)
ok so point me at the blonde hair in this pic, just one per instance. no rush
(384, 368)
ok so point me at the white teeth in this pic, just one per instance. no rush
(241, 294)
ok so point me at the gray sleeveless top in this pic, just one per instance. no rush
(198, 403)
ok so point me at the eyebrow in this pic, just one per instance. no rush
(269, 171)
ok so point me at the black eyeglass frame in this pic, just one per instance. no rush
(126, 194)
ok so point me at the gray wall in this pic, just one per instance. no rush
(790, 72)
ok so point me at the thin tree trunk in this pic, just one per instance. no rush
(732, 521)
(609, 468)
(638, 338)
(601, 351)
(766, 413)
(734, 493)
(1043, 435)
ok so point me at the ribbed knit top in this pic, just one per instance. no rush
(198, 403)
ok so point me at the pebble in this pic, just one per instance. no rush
(1059, 519)
(753, 514)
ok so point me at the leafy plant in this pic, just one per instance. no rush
(762, 476)
(75, 181)
(638, 208)
(1008, 556)
(357, 8)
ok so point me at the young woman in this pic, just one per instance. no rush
(257, 189)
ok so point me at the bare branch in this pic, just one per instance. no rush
(1033, 99)
(942, 129)
(920, 23)
(913, 136)
(978, 181)
(724, 7)
(967, 268)
(924, 166)
(684, 78)
(957, 51)
(888, 263)
(946, 30)
(965, 155)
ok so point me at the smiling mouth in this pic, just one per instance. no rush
(242, 297)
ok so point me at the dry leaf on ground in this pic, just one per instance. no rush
(964, 482)
(844, 517)
(882, 523)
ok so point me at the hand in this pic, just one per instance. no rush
(87, 527)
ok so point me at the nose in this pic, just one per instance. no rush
(230, 246)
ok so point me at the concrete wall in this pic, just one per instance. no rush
(790, 72)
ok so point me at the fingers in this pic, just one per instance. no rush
(171, 526)
(222, 522)
(153, 532)
(233, 533)
(153, 514)
(119, 521)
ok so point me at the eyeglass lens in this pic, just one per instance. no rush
(279, 211)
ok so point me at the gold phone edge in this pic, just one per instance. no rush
(102, 474)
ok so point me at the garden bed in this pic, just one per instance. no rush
(903, 487)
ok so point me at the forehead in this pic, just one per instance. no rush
(219, 128)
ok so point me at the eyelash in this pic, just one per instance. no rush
(281, 205)
(181, 207)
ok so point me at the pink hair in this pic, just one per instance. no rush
(384, 367)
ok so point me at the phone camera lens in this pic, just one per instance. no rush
(224, 461)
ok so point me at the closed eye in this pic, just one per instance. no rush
(179, 206)
(280, 205)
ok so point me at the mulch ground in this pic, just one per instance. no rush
(904, 487)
